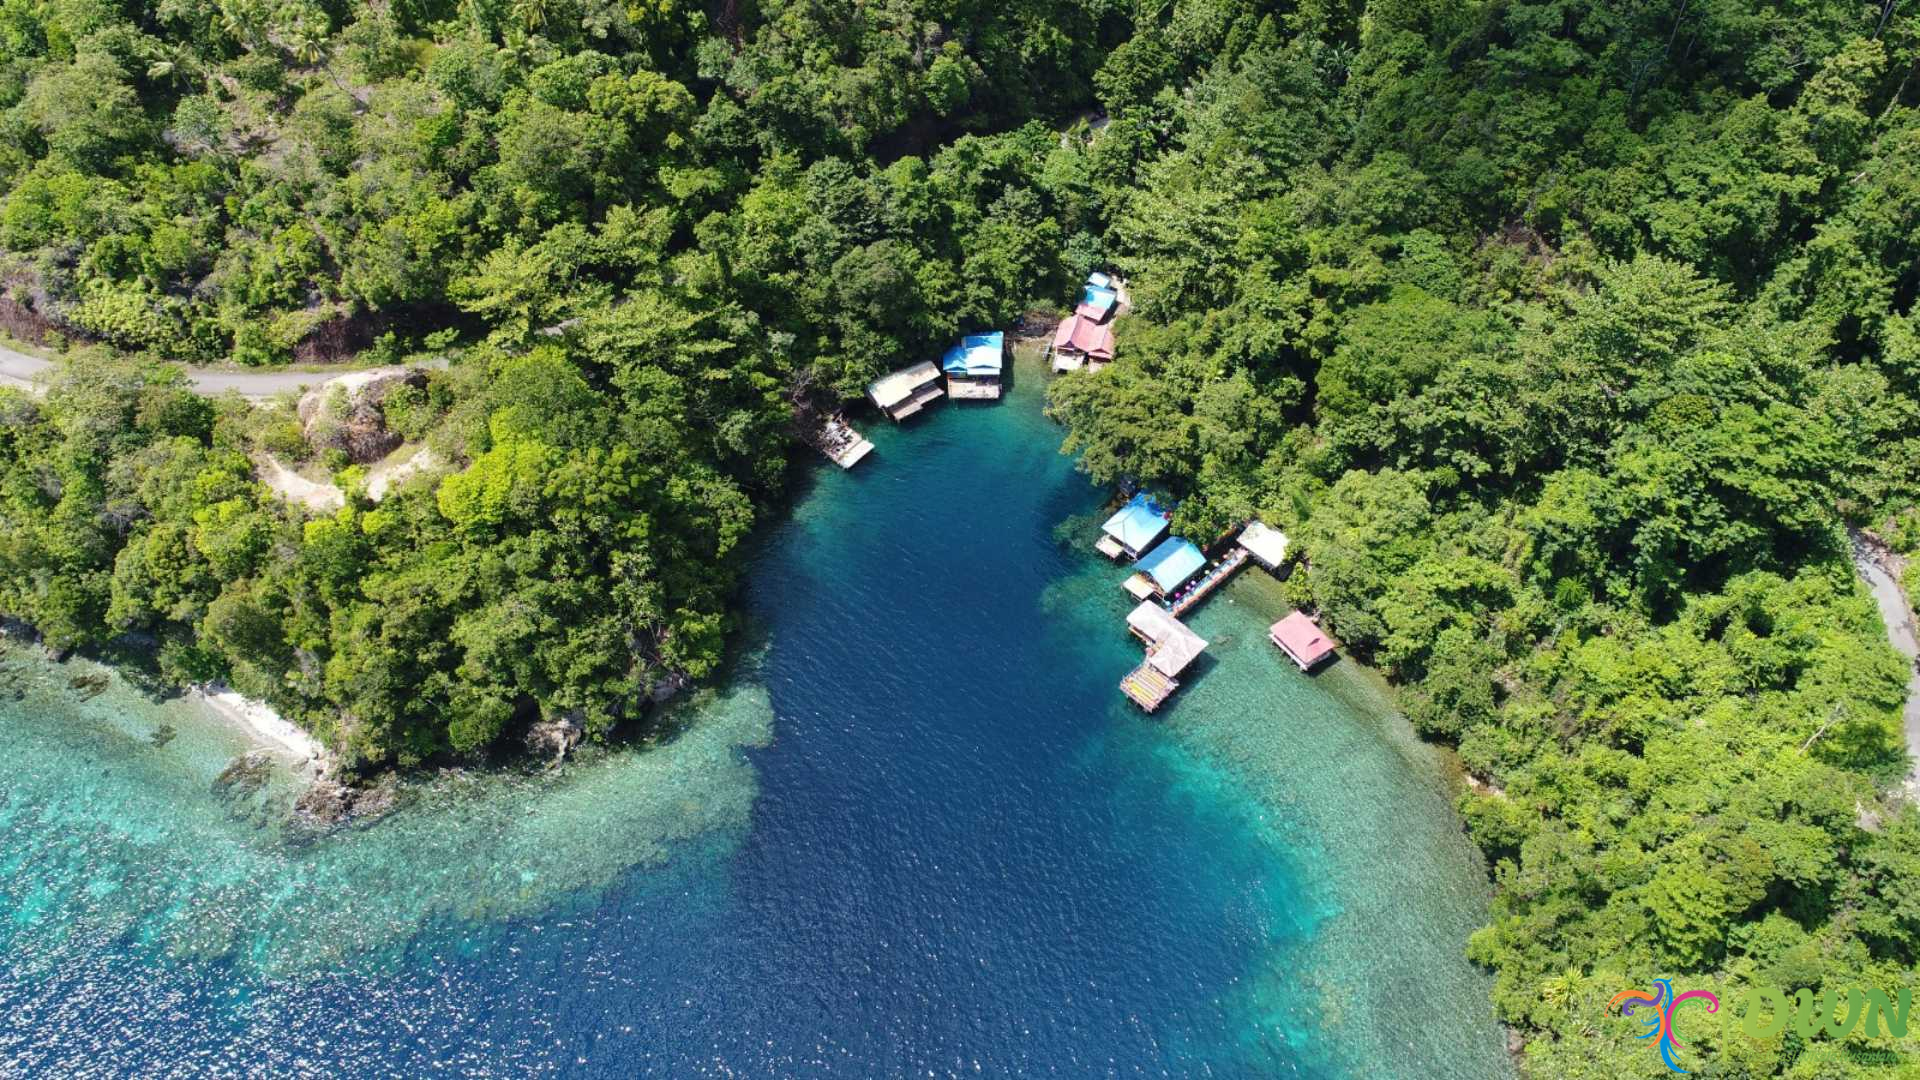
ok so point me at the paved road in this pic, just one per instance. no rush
(17, 369)
(1898, 618)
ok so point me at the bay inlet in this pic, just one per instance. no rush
(920, 831)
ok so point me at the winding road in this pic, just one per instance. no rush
(18, 369)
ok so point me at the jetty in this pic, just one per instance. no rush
(1221, 573)
(1171, 647)
(840, 443)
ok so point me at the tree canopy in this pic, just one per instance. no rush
(1567, 340)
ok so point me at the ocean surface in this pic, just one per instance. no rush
(918, 833)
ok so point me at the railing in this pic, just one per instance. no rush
(1226, 569)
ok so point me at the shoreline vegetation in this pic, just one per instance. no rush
(1567, 341)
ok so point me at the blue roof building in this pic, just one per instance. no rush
(973, 366)
(976, 355)
(1096, 302)
(1172, 564)
(1138, 526)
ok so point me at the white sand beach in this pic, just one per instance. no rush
(269, 728)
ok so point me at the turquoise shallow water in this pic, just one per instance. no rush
(920, 832)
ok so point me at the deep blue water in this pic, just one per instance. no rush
(952, 849)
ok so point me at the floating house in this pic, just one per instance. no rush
(1082, 342)
(1265, 543)
(973, 367)
(1171, 647)
(1136, 527)
(906, 391)
(1164, 569)
(1300, 638)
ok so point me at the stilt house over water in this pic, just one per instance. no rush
(1302, 640)
(907, 391)
(1171, 647)
(974, 366)
(1135, 528)
(1164, 569)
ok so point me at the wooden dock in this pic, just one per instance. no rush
(973, 390)
(1214, 578)
(1148, 688)
(840, 443)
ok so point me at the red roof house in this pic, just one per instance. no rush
(1301, 640)
(1079, 335)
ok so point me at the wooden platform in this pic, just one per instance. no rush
(1109, 547)
(973, 390)
(851, 456)
(1140, 587)
(1148, 688)
(840, 443)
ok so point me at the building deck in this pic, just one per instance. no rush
(1110, 547)
(1140, 587)
(1148, 688)
(973, 390)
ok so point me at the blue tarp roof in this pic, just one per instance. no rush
(1097, 297)
(1138, 524)
(977, 354)
(1172, 563)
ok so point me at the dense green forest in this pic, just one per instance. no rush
(1567, 340)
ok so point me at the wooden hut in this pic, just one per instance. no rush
(1167, 567)
(1266, 544)
(1171, 647)
(1301, 639)
(973, 367)
(1082, 342)
(907, 391)
(1133, 529)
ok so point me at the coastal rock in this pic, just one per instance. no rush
(90, 685)
(557, 736)
(324, 804)
(670, 687)
(245, 775)
(327, 803)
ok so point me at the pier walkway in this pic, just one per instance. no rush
(1214, 578)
